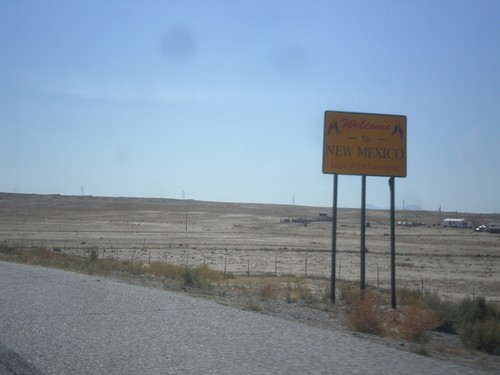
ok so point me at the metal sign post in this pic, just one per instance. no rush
(363, 235)
(334, 238)
(393, 244)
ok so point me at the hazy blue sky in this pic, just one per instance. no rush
(225, 100)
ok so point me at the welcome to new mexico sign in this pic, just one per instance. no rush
(364, 144)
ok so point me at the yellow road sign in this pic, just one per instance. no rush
(364, 144)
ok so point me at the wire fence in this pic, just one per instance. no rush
(260, 262)
(263, 262)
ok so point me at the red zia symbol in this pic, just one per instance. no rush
(399, 130)
(335, 126)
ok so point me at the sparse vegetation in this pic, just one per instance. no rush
(482, 335)
(413, 322)
(198, 277)
(477, 321)
(480, 325)
(297, 289)
(266, 291)
(201, 277)
(366, 314)
(348, 293)
(93, 254)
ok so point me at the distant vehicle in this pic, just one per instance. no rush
(481, 228)
(493, 227)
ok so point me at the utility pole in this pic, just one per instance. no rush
(187, 202)
(439, 219)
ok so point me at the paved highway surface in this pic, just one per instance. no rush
(56, 322)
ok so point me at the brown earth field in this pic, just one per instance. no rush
(260, 239)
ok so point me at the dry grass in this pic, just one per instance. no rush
(369, 312)
(412, 323)
(199, 277)
(267, 291)
(366, 314)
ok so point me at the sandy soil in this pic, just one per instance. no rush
(253, 238)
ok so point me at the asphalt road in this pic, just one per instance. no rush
(56, 322)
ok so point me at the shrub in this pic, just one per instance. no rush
(414, 322)
(366, 315)
(418, 297)
(130, 268)
(348, 293)
(160, 269)
(482, 335)
(480, 325)
(93, 254)
(410, 297)
(4, 249)
(326, 295)
(472, 310)
(266, 291)
(201, 277)
(297, 291)
(444, 311)
(192, 278)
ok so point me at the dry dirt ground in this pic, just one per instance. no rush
(254, 239)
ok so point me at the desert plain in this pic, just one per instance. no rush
(261, 239)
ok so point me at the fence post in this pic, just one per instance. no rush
(378, 277)
(248, 267)
(275, 266)
(305, 273)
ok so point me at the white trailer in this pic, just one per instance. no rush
(456, 223)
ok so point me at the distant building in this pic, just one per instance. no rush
(456, 223)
